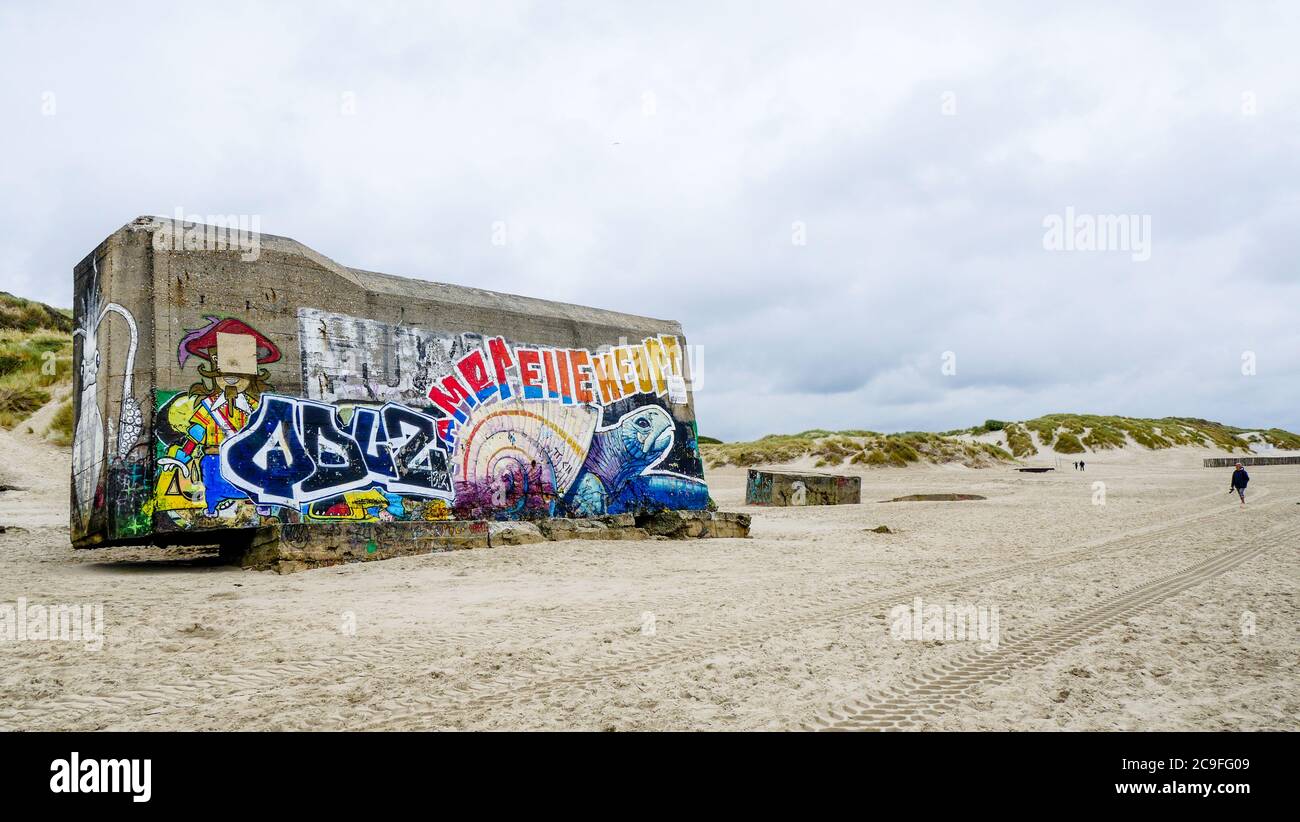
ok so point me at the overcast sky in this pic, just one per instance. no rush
(828, 197)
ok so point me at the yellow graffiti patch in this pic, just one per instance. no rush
(174, 492)
(179, 413)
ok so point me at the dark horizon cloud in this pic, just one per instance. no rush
(660, 161)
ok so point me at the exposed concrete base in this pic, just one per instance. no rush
(768, 487)
(289, 548)
(695, 524)
(621, 526)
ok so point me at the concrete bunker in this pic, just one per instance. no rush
(771, 487)
(247, 390)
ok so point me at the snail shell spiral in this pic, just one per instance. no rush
(515, 450)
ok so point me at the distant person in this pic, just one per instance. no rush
(1081, 466)
(1239, 481)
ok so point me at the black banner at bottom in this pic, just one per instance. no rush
(336, 771)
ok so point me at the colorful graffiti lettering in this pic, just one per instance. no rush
(298, 461)
(296, 451)
(567, 376)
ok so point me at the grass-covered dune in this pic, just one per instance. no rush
(1062, 433)
(834, 448)
(1084, 433)
(18, 314)
(35, 362)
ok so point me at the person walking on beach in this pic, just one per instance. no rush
(1081, 468)
(1239, 481)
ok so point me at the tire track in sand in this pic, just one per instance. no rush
(948, 685)
(691, 645)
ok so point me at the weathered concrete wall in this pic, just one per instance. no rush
(219, 391)
(768, 487)
(289, 548)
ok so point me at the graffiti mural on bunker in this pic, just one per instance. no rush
(354, 359)
(544, 432)
(192, 425)
(231, 452)
(90, 442)
(551, 431)
(498, 430)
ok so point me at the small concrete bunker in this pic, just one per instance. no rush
(248, 389)
(770, 487)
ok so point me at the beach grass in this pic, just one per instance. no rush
(1064, 433)
(830, 449)
(35, 356)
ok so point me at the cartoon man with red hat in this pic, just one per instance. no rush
(224, 399)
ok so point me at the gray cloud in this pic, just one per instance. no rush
(656, 159)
